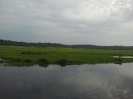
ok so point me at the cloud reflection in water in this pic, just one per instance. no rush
(101, 81)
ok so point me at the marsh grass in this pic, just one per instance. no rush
(17, 55)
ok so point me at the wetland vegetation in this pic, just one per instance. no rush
(29, 55)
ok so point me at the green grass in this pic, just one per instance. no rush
(22, 55)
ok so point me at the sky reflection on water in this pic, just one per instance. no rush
(101, 81)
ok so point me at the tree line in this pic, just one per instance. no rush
(16, 43)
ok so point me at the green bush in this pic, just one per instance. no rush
(62, 62)
(28, 61)
(43, 61)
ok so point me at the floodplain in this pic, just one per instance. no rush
(30, 55)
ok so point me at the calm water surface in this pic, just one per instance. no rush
(101, 81)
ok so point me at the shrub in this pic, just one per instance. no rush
(43, 61)
(62, 62)
(29, 52)
(28, 61)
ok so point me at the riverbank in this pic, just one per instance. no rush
(23, 55)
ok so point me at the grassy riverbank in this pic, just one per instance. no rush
(21, 55)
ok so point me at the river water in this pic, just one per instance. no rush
(99, 81)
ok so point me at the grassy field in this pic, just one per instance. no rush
(21, 55)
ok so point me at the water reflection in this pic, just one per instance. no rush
(123, 56)
(44, 65)
(101, 81)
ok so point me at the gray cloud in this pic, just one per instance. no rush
(70, 22)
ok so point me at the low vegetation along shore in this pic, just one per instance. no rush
(23, 55)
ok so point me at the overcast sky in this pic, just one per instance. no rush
(100, 22)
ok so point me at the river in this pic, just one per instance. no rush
(98, 81)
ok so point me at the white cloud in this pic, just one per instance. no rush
(88, 11)
(71, 22)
